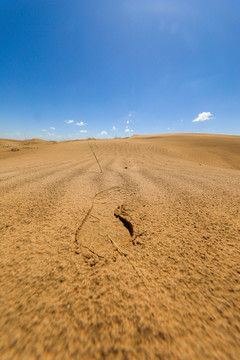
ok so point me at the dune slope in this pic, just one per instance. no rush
(139, 261)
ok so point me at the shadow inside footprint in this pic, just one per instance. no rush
(121, 214)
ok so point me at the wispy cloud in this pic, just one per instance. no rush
(69, 121)
(83, 131)
(81, 123)
(14, 135)
(114, 128)
(52, 128)
(103, 132)
(203, 117)
(44, 130)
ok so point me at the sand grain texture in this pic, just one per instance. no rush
(139, 261)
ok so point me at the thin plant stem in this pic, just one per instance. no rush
(95, 156)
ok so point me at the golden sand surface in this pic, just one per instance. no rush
(138, 261)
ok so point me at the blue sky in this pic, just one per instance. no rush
(116, 68)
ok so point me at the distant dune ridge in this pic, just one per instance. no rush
(215, 150)
(139, 261)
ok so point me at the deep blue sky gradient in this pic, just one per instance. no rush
(157, 64)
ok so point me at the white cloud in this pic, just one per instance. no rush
(114, 128)
(81, 123)
(130, 114)
(69, 121)
(44, 130)
(52, 128)
(128, 130)
(83, 131)
(203, 117)
(103, 133)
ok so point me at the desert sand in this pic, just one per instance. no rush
(138, 261)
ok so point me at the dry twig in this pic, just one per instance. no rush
(95, 156)
(130, 262)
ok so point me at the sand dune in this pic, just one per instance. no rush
(139, 261)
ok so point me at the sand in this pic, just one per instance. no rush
(139, 261)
